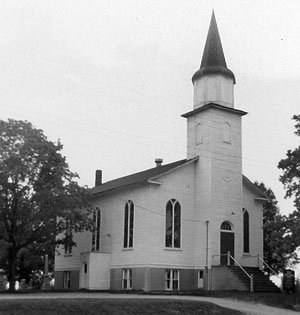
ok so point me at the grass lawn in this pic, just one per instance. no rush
(109, 306)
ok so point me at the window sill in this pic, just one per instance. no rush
(68, 255)
(246, 254)
(127, 249)
(173, 249)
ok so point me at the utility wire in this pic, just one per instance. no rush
(158, 213)
(156, 145)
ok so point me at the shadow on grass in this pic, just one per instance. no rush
(281, 300)
(108, 306)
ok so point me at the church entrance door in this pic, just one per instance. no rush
(226, 242)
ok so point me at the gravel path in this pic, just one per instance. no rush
(245, 307)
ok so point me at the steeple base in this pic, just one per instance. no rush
(214, 88)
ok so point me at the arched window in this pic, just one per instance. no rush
(173, 223)
(128, 224)
(227, 132)
(226, 226)
(246, 231)
(96, 232)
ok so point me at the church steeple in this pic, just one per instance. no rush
(213, 59)
(213, 54)
(213, 65)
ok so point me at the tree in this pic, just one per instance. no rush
(39, 195)
(291, 181)
(32, 258)
(278, 249)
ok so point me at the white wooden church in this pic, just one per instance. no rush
(185, 225)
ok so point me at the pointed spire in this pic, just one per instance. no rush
(213, 59)
(213, 54)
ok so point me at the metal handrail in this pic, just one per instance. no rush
(228, 255)
(274, 273)
(249, 276)
(219, 255)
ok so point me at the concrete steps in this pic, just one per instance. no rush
(261, 282)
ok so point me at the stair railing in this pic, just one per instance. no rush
(247, 274)
(264, 263)
(272, 270)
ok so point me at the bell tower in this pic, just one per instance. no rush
(214, 134)
(213, 82)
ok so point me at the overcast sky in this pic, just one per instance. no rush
(111, 78)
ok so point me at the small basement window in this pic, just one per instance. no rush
(127, 279)
(67, 279)
(200, 279)
(172, 279)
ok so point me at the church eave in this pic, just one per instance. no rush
(119, 188)
(214, 106)
(261, 196)
(262, 199)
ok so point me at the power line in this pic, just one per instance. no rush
(151, 139)
(159, 213)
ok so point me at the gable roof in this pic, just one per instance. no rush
(261, 196)
(144, 177)
(140, 178)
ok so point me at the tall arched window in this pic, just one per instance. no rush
(173, 223)
(128, 224)
(96, 232)
(246, 231)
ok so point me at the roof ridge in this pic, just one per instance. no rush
(148, 169)
(138, 177)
